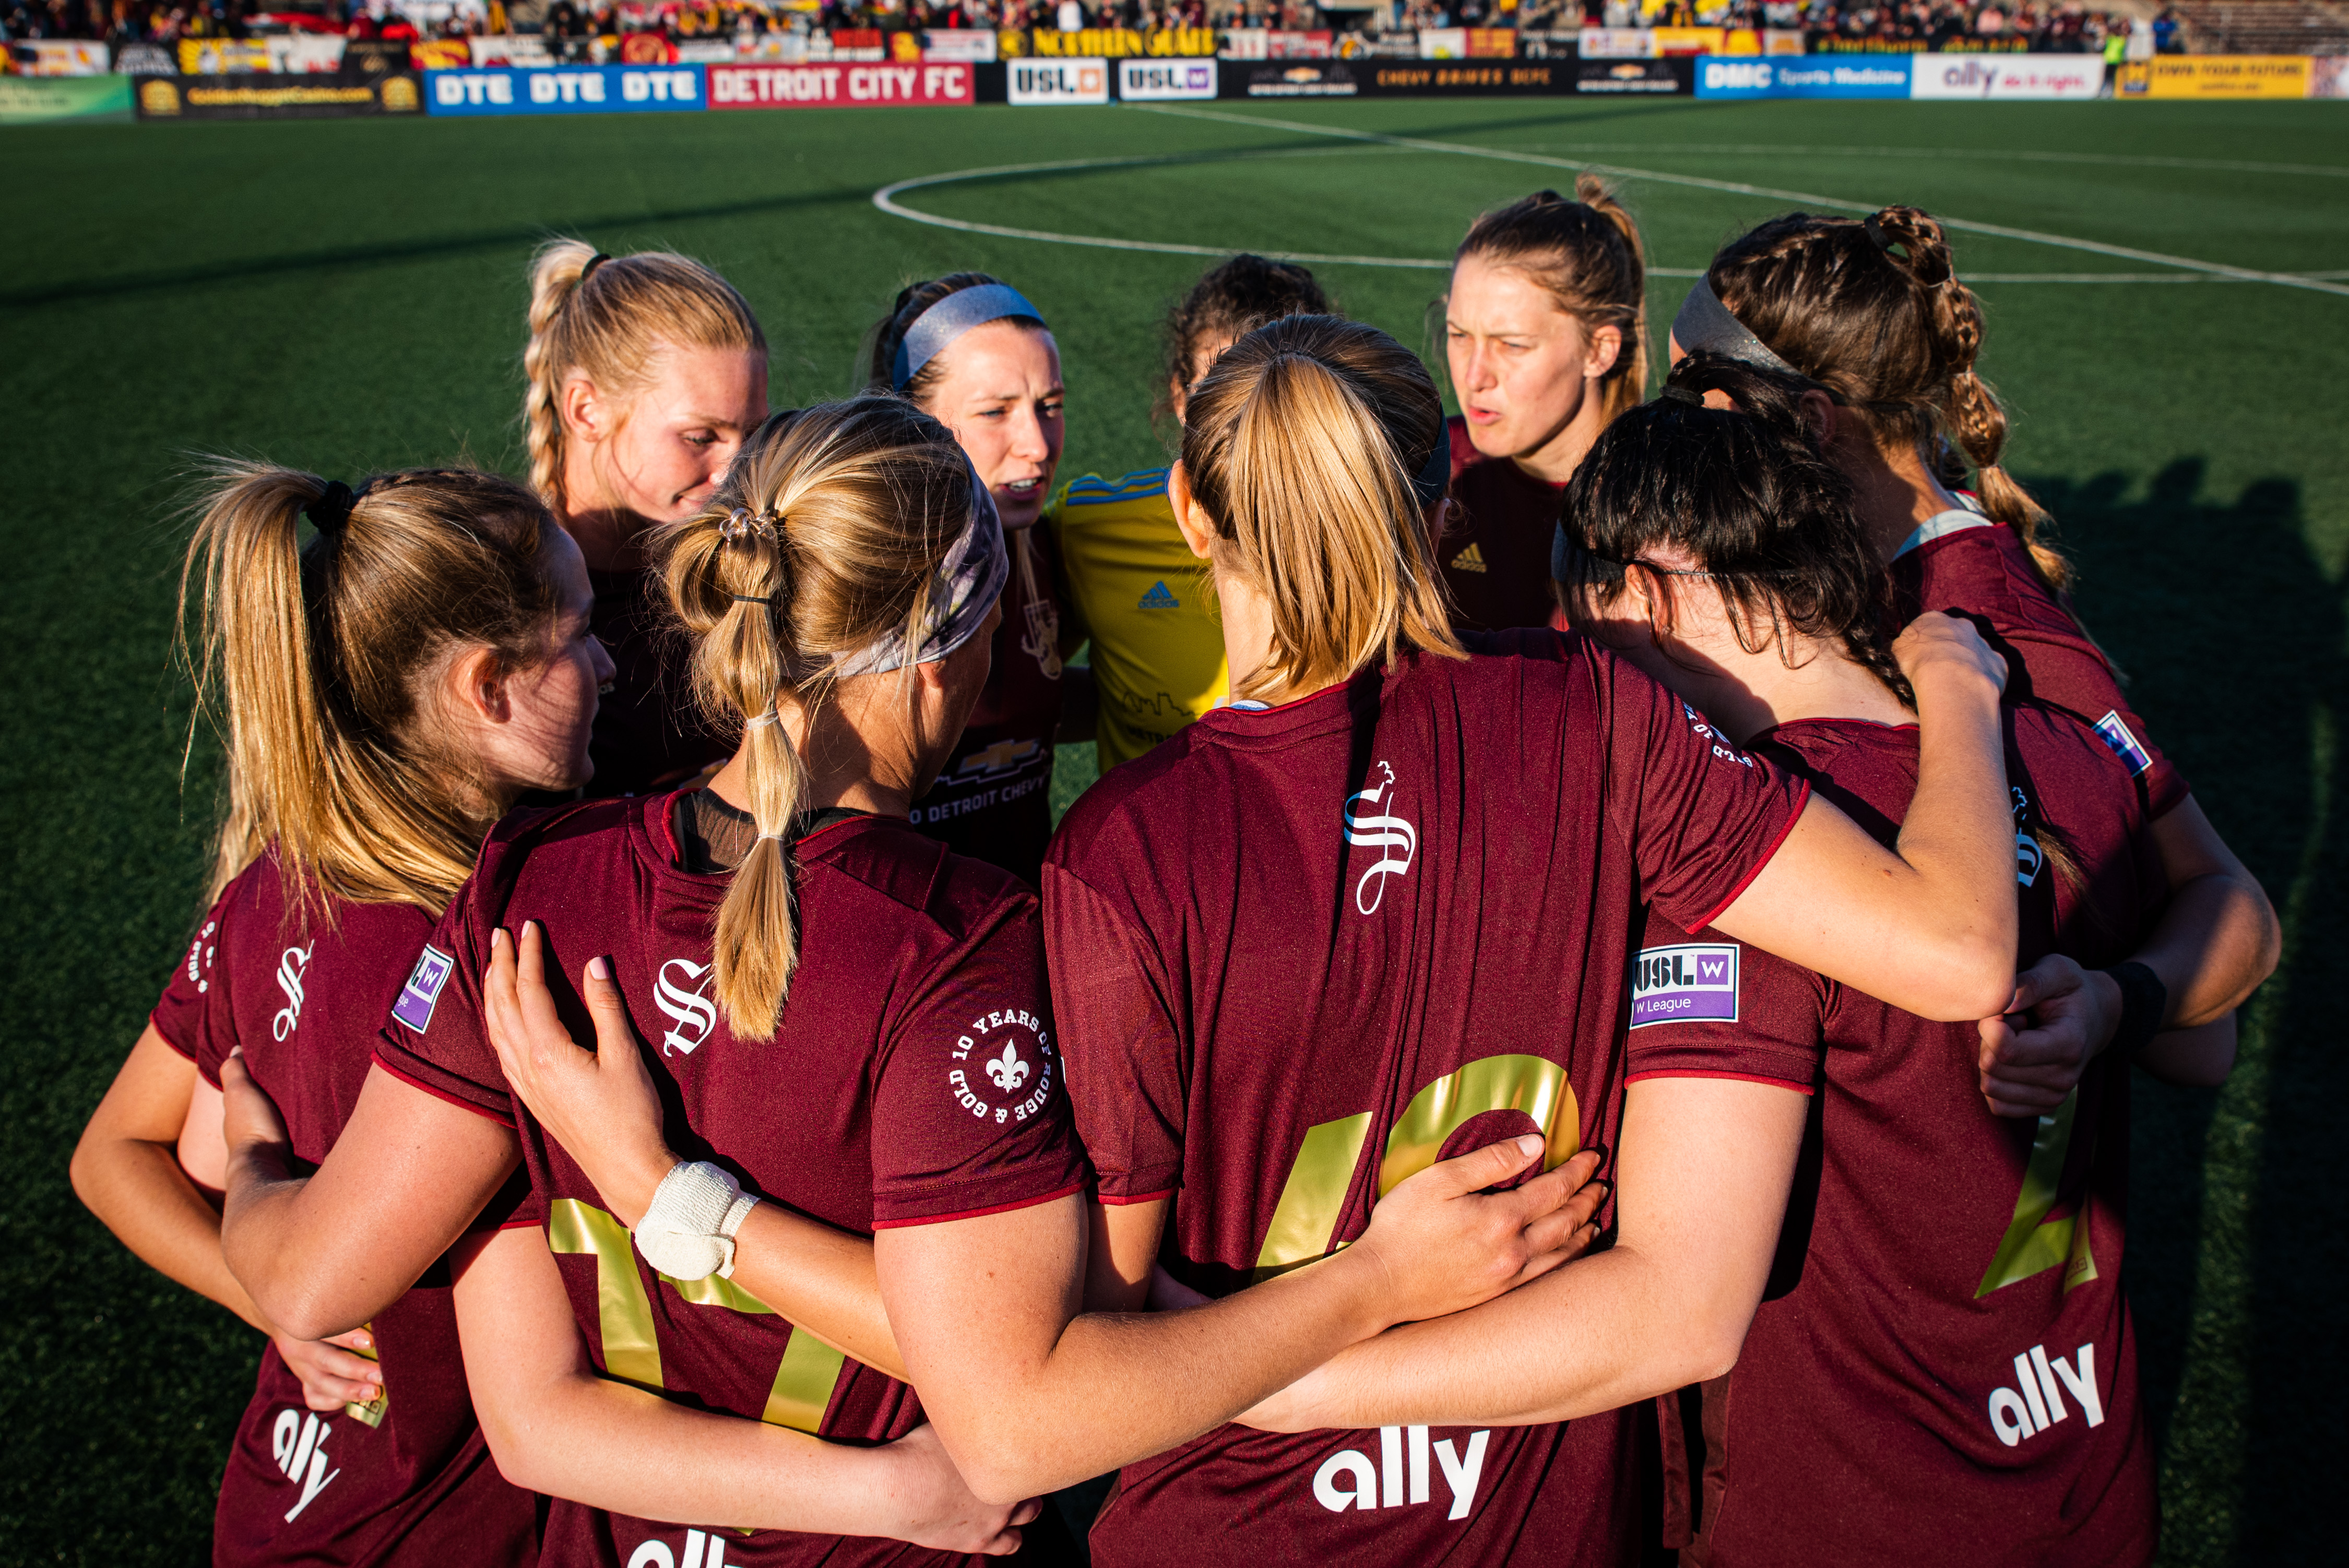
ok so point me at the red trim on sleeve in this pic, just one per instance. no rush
(417, 1083)
(1117, 1200)
(1735, 1078)
(979, 1213)
(1802, 801)
(521, 1224)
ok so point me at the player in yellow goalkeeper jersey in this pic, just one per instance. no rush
(1136, 589)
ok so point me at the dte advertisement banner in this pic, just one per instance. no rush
(2214, 77)
(840, 87)
(300, 95)
(1034, 83)
(1811, 76)
(1151, 81)
(2007, 77)
(567, 89)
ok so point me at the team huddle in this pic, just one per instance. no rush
(1587, 1014)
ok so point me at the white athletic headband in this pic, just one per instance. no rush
(949, 319)
(1705, 323)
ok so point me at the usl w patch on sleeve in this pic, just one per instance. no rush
(422, 992)
(1693, 982)
(2126, 746)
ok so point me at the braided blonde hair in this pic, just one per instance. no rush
(610, 317)
(822, 538)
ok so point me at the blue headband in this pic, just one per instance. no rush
(949, 319)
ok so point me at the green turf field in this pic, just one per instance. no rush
(348, 295)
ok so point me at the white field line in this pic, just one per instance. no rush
(2117, 159)
(1740, 188)
(885, 199)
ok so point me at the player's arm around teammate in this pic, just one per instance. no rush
(1870, 324)
(385, 692)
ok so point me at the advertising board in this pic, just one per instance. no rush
(970, 45)
(2214, 77)
(2007, 77)
(259, 95)
(840, 87)
(1036, 83)
(566, 89)
(1810, 77)
(1641, 77)
(1399, 78)
(33, 100)
(58, 58)
(1150, 81)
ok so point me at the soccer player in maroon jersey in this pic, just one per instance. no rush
(1869, 320)
(1385, 908)
(971, 351)
(1944, 1371)
(645, 373)
(1544, 335)
(385, 691)
(841, 592)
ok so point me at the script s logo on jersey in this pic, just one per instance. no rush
(1393, 837)
(290, 965)
(2029, 858)
(682, 991)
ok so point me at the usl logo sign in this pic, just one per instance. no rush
(1695, 980)
(682, 991)
(1143, 81)
(1038, 82)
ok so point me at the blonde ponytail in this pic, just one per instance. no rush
(1303, 444)
(319, 664)
(822, 540)
(612, 318)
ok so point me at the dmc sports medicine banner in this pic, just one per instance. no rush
(839, 86)
(1809, 76)
(567, 89)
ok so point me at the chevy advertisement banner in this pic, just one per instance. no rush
(1644, 77)
(840, 87)
(566, 89)
(1151, 81)
(1809, 76)
(2071, 78)
(1398, 78)
(1033, 83)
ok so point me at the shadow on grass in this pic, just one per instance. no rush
(2234, 631)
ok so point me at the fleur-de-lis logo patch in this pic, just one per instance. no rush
(1008, 1070)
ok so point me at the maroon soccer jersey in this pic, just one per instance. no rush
(1495, 556)
(408, 1479)
(1302, 953)
(648, 734)
(1942, 1370)
(1975, 567)
(993, 800)
(915, 1079)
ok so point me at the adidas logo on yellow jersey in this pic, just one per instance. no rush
(1159, 598)
(1469, 560)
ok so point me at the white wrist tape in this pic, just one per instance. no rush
(688, 1232)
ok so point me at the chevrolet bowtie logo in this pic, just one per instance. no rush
(999, 758)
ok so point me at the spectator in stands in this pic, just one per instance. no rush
(1070, 16)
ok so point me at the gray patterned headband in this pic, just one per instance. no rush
(963, 590)
(1705, 323)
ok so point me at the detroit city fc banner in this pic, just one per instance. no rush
(842, 85)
